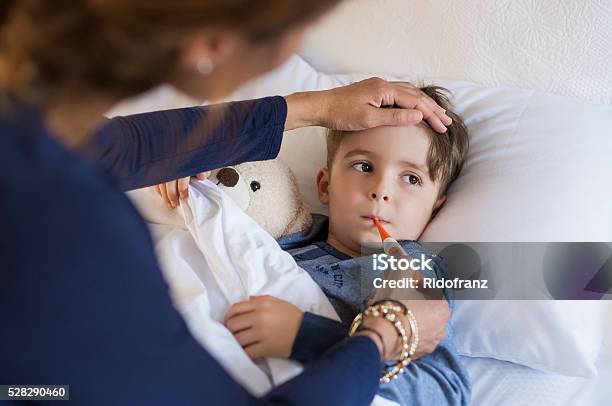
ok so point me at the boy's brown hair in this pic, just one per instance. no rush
(446, 152)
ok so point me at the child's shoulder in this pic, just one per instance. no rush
(317, 232)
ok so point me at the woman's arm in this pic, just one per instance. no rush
(159, 147)
(353, 364)
(439, 375)
(150, 148)
(316, 335)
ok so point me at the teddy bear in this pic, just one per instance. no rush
(268, 192)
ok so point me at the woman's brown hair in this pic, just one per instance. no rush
(123, 47)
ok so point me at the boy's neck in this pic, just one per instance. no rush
(334, 242)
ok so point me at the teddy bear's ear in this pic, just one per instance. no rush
(300, 222)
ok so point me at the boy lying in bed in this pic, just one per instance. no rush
(400, 175)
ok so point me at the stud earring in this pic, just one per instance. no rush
(205, 65)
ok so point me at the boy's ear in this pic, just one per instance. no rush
(438, 205)
(323, 185)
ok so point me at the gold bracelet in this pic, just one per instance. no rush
(390, 313)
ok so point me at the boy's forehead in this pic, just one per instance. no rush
(409, 143)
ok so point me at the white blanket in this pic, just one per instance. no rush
(213, 255)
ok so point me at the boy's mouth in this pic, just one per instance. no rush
(371, 219)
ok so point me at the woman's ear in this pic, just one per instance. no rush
(438, 205)
(323, 185)
(207, 45)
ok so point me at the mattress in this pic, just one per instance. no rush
(503, 383)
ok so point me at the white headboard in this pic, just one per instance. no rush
(556, 46)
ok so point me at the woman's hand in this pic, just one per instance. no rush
(265, 326)
(356, 107)
(389, 347)
(172, 192)
(432, 317)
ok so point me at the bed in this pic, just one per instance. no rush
(551, 47)
(507, 384)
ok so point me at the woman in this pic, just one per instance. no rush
(82, 301)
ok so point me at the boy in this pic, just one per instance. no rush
(400, 175)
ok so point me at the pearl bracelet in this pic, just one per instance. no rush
(390, 313)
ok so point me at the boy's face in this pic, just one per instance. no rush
(378, 172)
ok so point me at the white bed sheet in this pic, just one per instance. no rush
(501, 383)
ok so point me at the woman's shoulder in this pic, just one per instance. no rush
(33, 163)
(49, 192)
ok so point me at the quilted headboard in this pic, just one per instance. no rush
(556, 46)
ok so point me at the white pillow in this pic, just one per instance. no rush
(539, 169)
(563, 336)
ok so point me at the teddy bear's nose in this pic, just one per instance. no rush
(228, 177)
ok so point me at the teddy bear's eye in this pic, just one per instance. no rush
(255, 186)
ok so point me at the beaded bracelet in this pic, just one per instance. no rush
(390, 312)
(403, 307)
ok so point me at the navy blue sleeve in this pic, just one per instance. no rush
(150, 148)
(354, 363)
(316, 335)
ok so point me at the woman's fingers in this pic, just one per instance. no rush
(446, 120)
(397, 117)
(157, 191)
(411, 100)
(163, 191)
(437, 110)
(172, 191)
(416, 99)
(183, 187)
(177, 190)
(203, 175)
(164, 195)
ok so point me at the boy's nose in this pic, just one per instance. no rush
(380, 196)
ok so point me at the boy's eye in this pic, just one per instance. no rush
(412, 179)
(363, 167)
